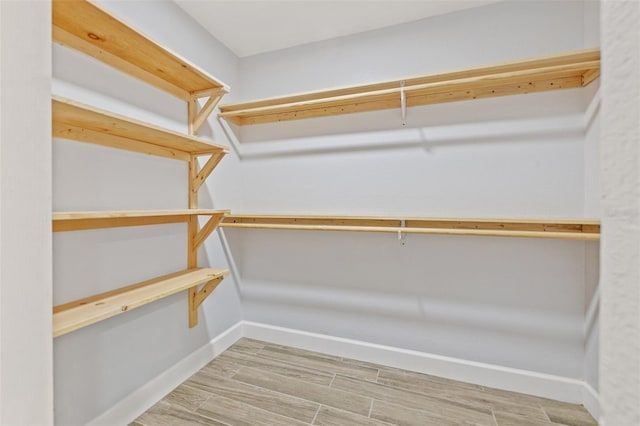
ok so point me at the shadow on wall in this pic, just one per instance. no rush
(510, 291)
(539, 116)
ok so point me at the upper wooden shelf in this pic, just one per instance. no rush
(76, 221)
(563, 71)
(86, 27)
(73, 120)
(579, 229)
(81, 313)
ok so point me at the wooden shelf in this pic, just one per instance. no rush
(86, 27)
(81, 313)
(579, 229)
(73, 120)
(564, 71)
(76, 221)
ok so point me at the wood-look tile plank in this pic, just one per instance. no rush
(302, 352)
(221, 367)
(523, 398)
(564, 412)
(308, 391)
(403, 416)
(569, 414)
(435, 406)
(248, 346)
(458, 392)
(509, 419)
(166, 414)
(258, 397)
(328, 416)
(312, 360)
(391, 373)
(350, 361)
(271, 365)
(187, 397)
(238, 413)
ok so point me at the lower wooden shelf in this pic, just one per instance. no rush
(572, 229)
(81, 313)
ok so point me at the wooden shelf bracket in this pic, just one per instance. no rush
(196, 297)
(206, 230)
(197, 235)
(206, 170)
(403, 103)
(196, 115)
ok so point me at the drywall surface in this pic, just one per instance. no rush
(620, 170)
(26, 373)
(592, 201)
(513, 302)
(97, 366)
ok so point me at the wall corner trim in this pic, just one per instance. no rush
(140, 400)
(591, 401)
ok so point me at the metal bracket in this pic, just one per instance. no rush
(403, 103)
(401, 235)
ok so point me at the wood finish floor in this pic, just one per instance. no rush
(259, 383)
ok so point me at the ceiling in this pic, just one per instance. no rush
(252, 27)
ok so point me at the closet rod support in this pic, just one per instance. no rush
(403, 103)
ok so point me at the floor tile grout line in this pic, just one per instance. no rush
(378, 376)
(332, 379)
(545, 412)
(370, 408)
(316, 415)
(203, 402)
(493, 415)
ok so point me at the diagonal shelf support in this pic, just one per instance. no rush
(196, 115)
(206, 170)
(201, 295)
(206, 230)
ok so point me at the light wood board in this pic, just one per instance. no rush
(569, 70)
(81, 313)
(580, 229)
(75, 221)
(88, 28)
(76, 121)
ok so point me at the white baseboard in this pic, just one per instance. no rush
(591, 401)
(136, 403)
(529, 382)
(512, 379)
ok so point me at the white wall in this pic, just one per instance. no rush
(592, 201)
(97, 366)
(620, 169)
(512, 302)
(26, 388)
